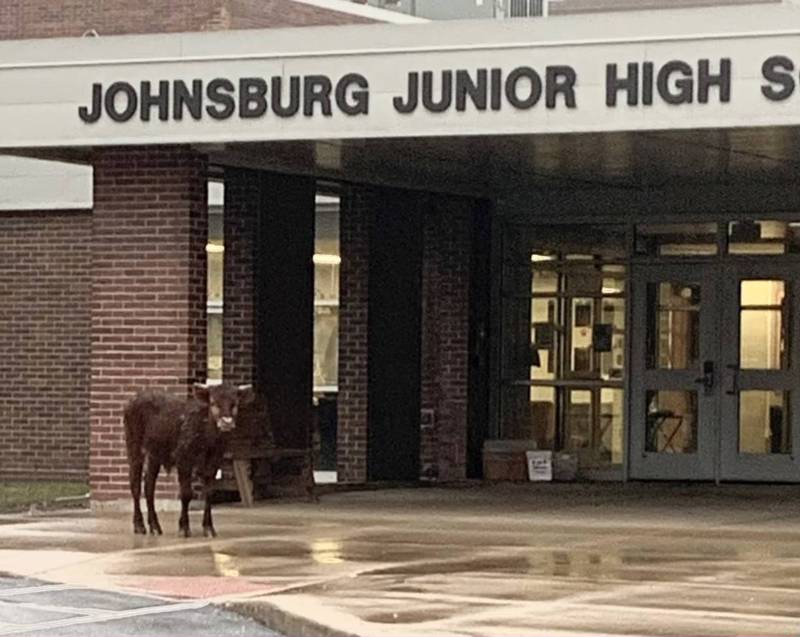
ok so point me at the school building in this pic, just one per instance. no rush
(431, 241)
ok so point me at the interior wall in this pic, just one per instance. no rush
(394, 328)
(284, 285)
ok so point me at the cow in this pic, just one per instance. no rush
(192, 435)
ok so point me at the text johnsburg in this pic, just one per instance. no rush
(635, 84)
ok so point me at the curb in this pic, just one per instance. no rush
(283, 622)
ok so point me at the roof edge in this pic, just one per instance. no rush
(364, 11)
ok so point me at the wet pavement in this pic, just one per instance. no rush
(549, 560)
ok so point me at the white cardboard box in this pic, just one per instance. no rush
(540, 466)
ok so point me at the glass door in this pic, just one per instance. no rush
(674, 372)
(759, 399)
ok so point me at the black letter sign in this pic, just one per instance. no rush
(777, 69)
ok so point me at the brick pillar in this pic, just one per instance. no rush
(447, 232)
(447, 250)
(351, 438)
(148, 292)
(242, 203)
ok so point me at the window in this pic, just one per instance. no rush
(564, 293)
(763, 237)
(215, 252)
(327, 266)
(327, 260)
(677, 240)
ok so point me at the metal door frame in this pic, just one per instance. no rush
(758, 467)
(703, 464)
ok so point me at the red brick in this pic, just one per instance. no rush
(171, 330)
(45, 283)
(447, 238)
(242, 201)
(21, 19)
(355, 218)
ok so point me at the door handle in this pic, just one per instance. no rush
(734, 390)
(707, 379)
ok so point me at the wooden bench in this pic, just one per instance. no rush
(242, 463)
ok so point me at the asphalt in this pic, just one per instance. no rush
(38, 608)
(557, 560)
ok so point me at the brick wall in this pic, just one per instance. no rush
(447, 237)
(256, 14)
(44, 338)
(242, 202)
(56, 18)
(148, 291)
(21, 19)
(351, 438)
(46, 318)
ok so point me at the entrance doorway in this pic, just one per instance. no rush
(714, 371)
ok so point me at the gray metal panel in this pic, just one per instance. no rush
(471, 9)
(570, 7)
(32, 184)
(438, 10)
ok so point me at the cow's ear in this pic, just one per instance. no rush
(201, 392)
(246, 394)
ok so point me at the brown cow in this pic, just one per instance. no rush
(164, 431)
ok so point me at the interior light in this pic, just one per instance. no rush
(536, 258)
(327, 259)
(214, 248)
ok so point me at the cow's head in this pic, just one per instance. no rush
(223, 402)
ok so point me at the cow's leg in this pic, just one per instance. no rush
(185, 481)
(153, 467)
(208, 522)
(213, 462)
(135, 466)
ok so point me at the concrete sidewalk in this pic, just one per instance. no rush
(491, 560)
